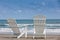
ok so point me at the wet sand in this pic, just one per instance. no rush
(30, 38)
(25, 39)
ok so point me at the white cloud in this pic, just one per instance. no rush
(43, 3)
(19, 11)
(57, 10)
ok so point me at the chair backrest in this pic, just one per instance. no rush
(13, 25)
(39, 24)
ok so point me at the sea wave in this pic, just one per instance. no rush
(46, 31)
(32, 24)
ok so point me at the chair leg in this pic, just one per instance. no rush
(45, 37)
(26, 32)
(33, 37)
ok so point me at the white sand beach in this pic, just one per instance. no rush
(51, 34)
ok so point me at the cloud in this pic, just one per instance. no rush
(16, 11)
(57, 11)
(43, 3)
(19, 11)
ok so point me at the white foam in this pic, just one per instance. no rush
(52, 31)
(32, 24)
(46, 31)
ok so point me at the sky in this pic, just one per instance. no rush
(26, 9)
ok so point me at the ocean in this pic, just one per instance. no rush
(52, 25)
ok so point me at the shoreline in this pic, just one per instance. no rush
(30, 38)
(46, 31)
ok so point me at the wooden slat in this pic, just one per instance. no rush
(13, 25)
(39, 24)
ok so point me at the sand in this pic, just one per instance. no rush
(30, 38)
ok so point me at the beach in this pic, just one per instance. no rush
(29, 19)
(51, 34)
(48, 38)
(51, 30)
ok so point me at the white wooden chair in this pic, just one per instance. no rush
(39, 25)
(13, 25)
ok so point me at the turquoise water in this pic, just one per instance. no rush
(30, 21)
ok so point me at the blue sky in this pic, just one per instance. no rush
(26, 9)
